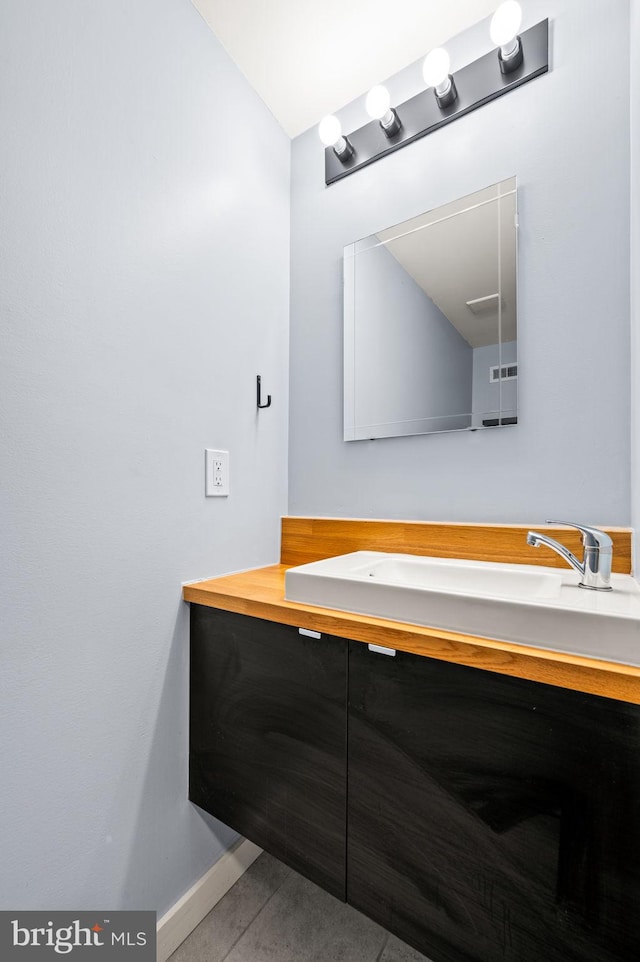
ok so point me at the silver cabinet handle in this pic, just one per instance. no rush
(381, 650)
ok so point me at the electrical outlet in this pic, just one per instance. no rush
(216, 473)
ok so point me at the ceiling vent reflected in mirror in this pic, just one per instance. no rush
(485, 305)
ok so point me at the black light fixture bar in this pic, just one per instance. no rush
(478, 83)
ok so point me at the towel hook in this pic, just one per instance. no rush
(259, 394)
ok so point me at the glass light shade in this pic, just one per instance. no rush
(378, 102)
(330, 130)
(505, 23)
(435, 69)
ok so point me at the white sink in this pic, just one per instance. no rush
(527, 604)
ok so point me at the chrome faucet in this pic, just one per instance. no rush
(598, 553)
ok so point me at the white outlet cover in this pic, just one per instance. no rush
(216, 473)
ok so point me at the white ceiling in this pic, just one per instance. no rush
(307, 58)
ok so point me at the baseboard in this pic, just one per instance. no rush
(182, 918)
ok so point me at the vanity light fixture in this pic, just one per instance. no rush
(379, 107)
(435, 71)
(505, 24)
(330, 131)
(520, 58)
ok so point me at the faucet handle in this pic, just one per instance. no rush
(591, 537)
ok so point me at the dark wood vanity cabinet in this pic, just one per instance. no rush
(486, 818)
(492, 819)
(268, 738)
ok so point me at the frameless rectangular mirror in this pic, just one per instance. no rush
(430, 321)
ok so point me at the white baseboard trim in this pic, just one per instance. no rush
(182, 918)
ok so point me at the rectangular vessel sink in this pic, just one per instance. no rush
(526, 604)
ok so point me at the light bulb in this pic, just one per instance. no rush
(505, 24)
(378, 102)
(379, 107)
(330, 130)
(435, 69)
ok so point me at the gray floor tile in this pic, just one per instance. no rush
(302, 923)
(397, 951)
(230, 918)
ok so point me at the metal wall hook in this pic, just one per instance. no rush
(259, 394)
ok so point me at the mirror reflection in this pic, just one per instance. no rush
(430, 321)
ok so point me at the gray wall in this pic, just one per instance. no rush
(410, 363)
(634, 36)
(566, 137)
(145, 248)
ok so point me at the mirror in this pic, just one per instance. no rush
(430, 321)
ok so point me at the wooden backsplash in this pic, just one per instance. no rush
(310, 539)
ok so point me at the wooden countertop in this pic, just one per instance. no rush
(260, 594)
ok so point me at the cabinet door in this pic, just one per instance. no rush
(268, 738)
(492, 819)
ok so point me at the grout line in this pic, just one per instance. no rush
(384, 945)
(259, 912)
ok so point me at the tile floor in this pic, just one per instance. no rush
(272, 914)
